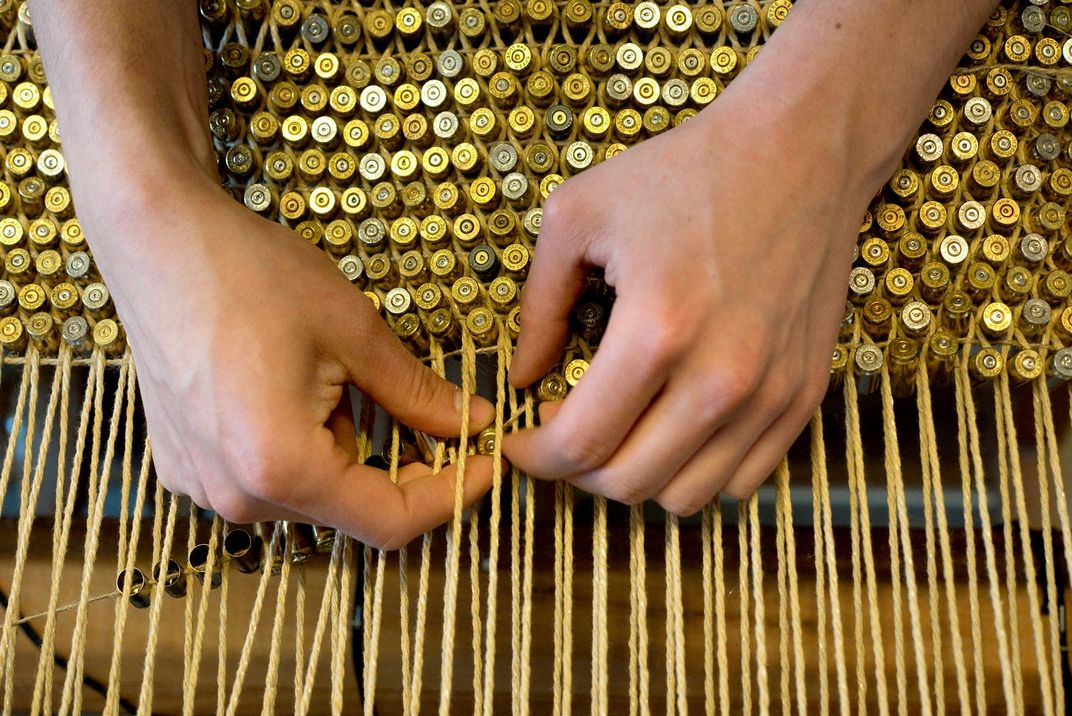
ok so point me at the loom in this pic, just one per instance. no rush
(910, 554)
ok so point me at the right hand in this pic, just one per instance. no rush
(245, 339)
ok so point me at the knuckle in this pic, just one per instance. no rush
(741, 487)
(583, 451)
(724, 390)
(628, 493)
(235, 508)
(264, 475)
(555, 208)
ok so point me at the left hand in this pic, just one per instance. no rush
(728, 241)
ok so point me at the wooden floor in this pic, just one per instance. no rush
(168, 678)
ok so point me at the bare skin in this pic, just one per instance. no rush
(728, 241)
(246, 338)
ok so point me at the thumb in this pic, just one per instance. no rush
(378, 364)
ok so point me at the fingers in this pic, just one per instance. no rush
(665, 437)
(378, 364)
(600, 411)
(708, 471)
(554, 283)
(364, 503)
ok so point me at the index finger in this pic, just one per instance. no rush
(594, 419)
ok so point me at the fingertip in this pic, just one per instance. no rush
(548, 410)
(517, 447)
(481, 413)
(479, 471)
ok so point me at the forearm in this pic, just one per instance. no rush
(865, 73)
(129, 87)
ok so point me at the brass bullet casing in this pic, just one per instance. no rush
(941, 356)
(434, 233)
(134, 585)
(838, 365)
(905, 184)
(1063, 326)
(916, 319)
(574, 371)
(979, 280)
(40, 329)
(198, 560)
(482, 325)
(503, 294)
(76, 334)
(867, 367)
(9, 301)
(32, 298)
(466, 230)
(108, 337)
(552, 387)
(19, 267)
(428, 297)
(931, 217)
(441, 325)
(1015, 285)
(943, 182)
(994, 249)
(1026, 365)
(300, 542)
(352, 269)
(49, 267)
(97, 301)
(465, 293)
(996, 319)
(244, 550)
(444, 266)
(515, 261)
(985, 365)
(878, 318)
(1035, 316)
(485, 442)
(412, 268)
(380, 271)
(985, 175)
(898, 285)
(956, 313)
(1059, 368)
(12, 336)
(79, 267)
(861, 284)
(875, 253)
(903, 357)
(42, 234)
(170, 575)
(1055, 287)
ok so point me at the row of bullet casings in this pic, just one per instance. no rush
(990, 268)
(49, 286)
(382, 26)
(241, 548)
(367, 73)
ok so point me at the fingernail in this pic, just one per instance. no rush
(481, 411)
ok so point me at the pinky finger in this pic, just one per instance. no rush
(763, 458)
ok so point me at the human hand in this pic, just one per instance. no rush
(245, 338)
(728, 241)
